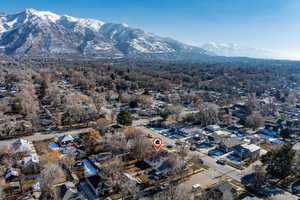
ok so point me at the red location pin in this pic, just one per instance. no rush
(157, 143)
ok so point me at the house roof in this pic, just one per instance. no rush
(95, 180)
(231, 142)
(68, 191)
(192, 130)
(89, 169)
(21, 145)
(222, 133)
(133, 179)
(32, 158)
(251, 147)
(66, 138)
(11, 172)
(251, 198)
(213, 127)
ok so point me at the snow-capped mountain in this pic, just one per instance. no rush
(43, 33)
(234, 50)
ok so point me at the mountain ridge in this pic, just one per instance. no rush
(37, 33)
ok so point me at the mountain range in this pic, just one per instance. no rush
(42, 33)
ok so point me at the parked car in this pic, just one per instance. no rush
(179, 143)
(196, 187)
(164, 186)
(78, 164)
(192, 148)
(169, 146)
(150, 136)
(221, 162)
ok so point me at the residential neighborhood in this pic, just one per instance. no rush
(206, 149)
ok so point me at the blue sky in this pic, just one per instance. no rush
(270, 24)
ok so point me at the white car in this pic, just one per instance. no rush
(196, 186)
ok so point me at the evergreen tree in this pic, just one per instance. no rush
(285, 133)
(124, 118)
(279, 162)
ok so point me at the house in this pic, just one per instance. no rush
(156, 123)
(65, 140)
(68, 191)
(222, 191)
(21, 145)
(191, 131)
(176, 127)
(227, 144)
(213, 128)
(11, 174)
(268, 132)
(103, 156)
(235, 127)
(217, 136)
(89, 169)
(98, 185)
(33, 158)
(275, 141)
(164, 168)
(247, 151)
(132, 179)
(251, 198)
(13, 187)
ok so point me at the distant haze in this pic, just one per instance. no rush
(235, 50)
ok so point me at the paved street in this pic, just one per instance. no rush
(42, 136)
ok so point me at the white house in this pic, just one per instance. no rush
(21, 145)
(191, 131)
(65, 140)
(31, 159)
(213, 128)
(247, 151)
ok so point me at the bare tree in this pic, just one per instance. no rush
(129, 188)
(125, 98)
(175, 111)
(297, 161)
(197, 161)
(255, 120)
(102, 125)
(116, 142)
(114, 174)
(139, 146)
(174, 193)
(26, 101)
(291, 100)
(212, 194)
(259, 176)
(48, 175)
(68, 161)
(252, 103)
(208, 114)
(2, 187)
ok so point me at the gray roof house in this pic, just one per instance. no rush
(227, 144)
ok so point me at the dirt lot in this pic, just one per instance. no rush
(45, 152)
